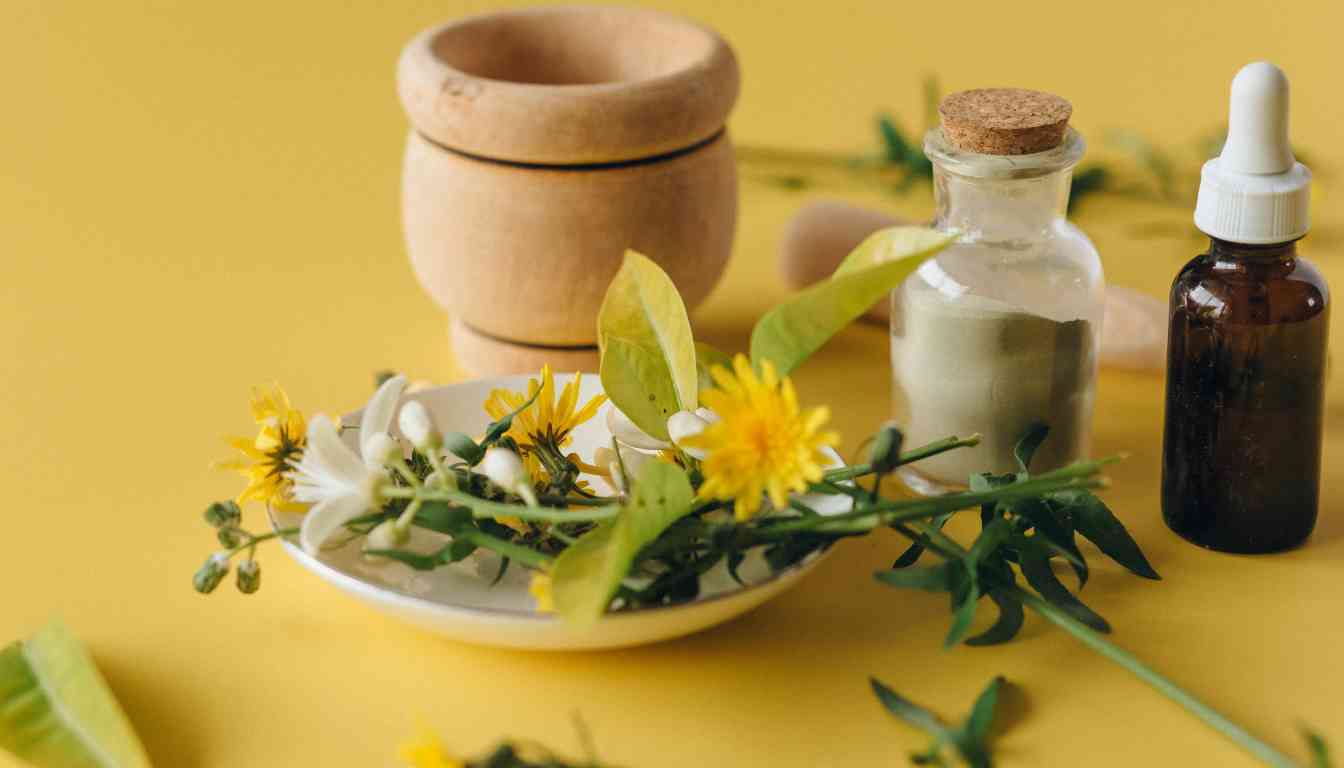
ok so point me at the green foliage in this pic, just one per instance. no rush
(790, 332)
(56, 710)
(706, 358)
(969, 739)
(587, 575)
(648, 354)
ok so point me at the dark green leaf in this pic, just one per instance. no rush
(908, 711)
(414, 559)
(1056, 526)
(988, 542)
(503, 569)
(1034, 558)
(1009, 623)
(912, 553)
(982, 714)
(442, 517)
(464, 447)
(962, 617)
(1026, 447)
(497, 429)
(1094, 520)
(934, 578)
(894, 146)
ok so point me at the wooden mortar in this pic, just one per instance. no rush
(544, 143)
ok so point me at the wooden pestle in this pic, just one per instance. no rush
(823, 232)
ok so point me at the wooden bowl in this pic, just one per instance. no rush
(547, 141)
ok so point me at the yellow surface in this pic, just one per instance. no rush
(196, 197)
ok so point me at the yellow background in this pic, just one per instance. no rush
(197, 197)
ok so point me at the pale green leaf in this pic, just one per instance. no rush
(789, 334)
(587, 575)
(648, 355)
(56, 710)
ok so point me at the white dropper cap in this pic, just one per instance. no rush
(1255, 192)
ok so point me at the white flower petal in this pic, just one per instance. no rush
(378, 414)
(326, 518)
(624, 430)
(328, 464)
(683, 425)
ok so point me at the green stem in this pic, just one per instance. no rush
(1194, 706)
(918, 454)
(253, 541)
(495, 510)
(519, 554)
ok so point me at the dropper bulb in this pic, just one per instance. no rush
(1257, 125)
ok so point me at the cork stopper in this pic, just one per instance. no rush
(1004, 121)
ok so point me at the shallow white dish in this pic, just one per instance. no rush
(458, 601)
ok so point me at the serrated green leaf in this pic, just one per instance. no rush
(1095, 521)
(587, 574)
(648, 354)
(1034, 559)
(789, 333)
(1006, 627)
(56, 710)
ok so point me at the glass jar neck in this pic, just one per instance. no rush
(1224, 250)
(1001, 209)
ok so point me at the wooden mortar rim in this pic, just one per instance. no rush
(569, 124)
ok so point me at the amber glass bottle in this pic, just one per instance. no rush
(1245, 398)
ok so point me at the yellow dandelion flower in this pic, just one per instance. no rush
(428, 752)
(540, 589)
(763, 444)
(265, 459)
(548, 421)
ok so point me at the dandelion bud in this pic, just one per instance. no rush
(223, 514)
(208, 577)
(418, 426)
(683, 425)
(382, 450)
(506, 470)
(388, 535)
(885, 454)
(229, 537)
(249, 577)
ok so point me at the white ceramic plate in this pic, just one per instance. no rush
(457, 600)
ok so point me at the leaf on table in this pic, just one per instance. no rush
(648, 354)
(789, 333)
(56, 710)
(970, 739)
(588, 573)
(1095, 521)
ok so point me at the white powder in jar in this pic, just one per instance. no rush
(976, 364)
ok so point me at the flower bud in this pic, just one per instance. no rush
(885, 453)
(686, 424)
(388, 535)
(249, 577)
(448, 479)
(229, 537)
(222, 514)
(382, 450)
(418, 426)
(214, 570)
(506, 470)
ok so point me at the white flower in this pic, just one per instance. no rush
(340, 484)
(625, 431)
(684, 424)
(632, 459)
(506, 470)
(388, 535)
(418, 426)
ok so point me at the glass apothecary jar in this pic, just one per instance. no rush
(1000, 330)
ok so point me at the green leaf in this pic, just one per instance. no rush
(934, 578)
(587, 574)
(908, 711)
(56, 710)
(1026, 447)
(968, 594)
(465, 448)
(982, 714)
(1006, 627)
(1094, 520)
(1034, 559)
(648, 355)
(789, 333)
(1320, 751)
(707, 357)
(497, 429)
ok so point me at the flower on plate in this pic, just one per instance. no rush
(340, 483)
(266, 458)
(548, 422)
(540, 589)
(762, 444)
(427, 752)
